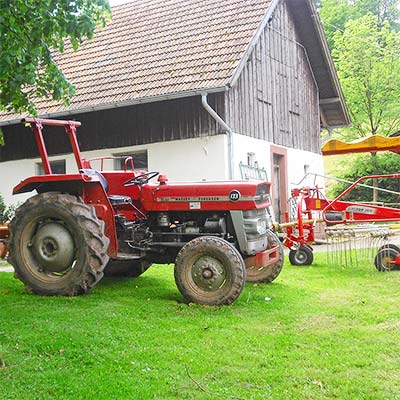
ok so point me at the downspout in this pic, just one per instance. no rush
(228, 129)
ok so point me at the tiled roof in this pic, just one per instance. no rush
(155, 48)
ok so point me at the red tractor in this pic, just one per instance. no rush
(82, 226)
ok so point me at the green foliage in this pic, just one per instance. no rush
(31, 32)
(6, 212)
(367, 58)
(363, 165)
(336, 13)
(325, 333)
(365, 43)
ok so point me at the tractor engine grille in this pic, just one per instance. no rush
(256, 223)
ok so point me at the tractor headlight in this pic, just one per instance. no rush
(256, 223)
(261, 226)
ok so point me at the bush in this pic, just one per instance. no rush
(385, 163)
(6, 212)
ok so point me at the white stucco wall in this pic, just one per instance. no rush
(301, 162)
(189, 159)
(184, 160)
(298, 160)
(244, 145)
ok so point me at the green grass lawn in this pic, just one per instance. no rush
(315, 333)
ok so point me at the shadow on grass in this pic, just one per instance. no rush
(160, 288)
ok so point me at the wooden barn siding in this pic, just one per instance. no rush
(128, 126)
(276, 98)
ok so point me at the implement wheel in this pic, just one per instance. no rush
(302, 256)
(390, 246)
(210, 271)
(266, 274)
(126, 268)
(383, 259)
(57, 245)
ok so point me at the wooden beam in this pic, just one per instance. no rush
(331, 100)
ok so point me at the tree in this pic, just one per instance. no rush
(30, 32)
(386, 163)
(336, 13)
(364, 38)
(367, 55)
(367, 58)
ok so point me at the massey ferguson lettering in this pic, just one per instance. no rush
(233, 196)
(191, 199)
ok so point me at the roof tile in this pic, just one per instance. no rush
(156, 48)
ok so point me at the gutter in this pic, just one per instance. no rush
(228, 129)
(108, 106)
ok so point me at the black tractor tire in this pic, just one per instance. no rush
(210, 271)
(302, 256)
(57, 245)
(383, 258)
(126, 268)
(269, 273)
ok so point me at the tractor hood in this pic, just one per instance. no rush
(203, 196)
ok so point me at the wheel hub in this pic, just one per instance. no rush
(53, 247)
(208, 273)
(300, 256)
(386, 262)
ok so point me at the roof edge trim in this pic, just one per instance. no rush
(328, 59)
(236, 73)
(125, 103)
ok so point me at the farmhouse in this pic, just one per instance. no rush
(193, 88)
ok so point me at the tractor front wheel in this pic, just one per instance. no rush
(57, 245)
(210, 271)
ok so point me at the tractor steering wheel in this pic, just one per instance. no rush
(141, 179)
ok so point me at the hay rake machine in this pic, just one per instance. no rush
(353, 229)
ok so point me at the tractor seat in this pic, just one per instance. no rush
(115, 199)
(91, 172)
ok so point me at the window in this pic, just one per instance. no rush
(57, 167)
(251, 158)
(139, 160)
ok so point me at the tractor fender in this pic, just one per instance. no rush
(88, 187)
(46, 183)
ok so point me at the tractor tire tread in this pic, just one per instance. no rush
(232, 254)
(94, 237)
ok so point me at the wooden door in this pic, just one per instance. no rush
(279, 180)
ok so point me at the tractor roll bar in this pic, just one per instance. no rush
(53, 122)
(70, 129)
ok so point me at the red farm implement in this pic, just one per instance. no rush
(95, 222)
(312, 207)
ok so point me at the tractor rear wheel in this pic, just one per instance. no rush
(126, 268)
(57, 245)
(266, 274)
(210, 271)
